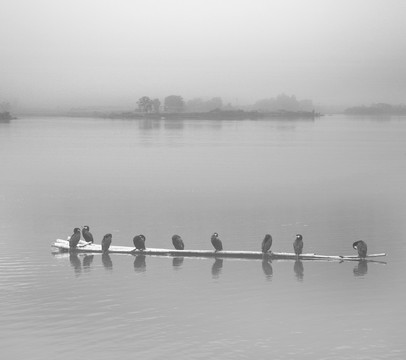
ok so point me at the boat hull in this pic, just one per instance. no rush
(63, 245)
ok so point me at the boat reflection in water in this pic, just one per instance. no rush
(267, 268)
(75, 262)
(177, 262)
(217, 268)
(87, 261)
(107, 262)
(139, 263)
(361, 269)
(299, 270)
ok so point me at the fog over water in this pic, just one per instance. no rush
(109, 53)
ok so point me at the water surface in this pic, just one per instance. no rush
(334, 180)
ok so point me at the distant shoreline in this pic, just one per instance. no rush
(211, 115)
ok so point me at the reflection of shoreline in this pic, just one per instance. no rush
(361, 269)
(298, 268)
(216, 115)
(217, 268)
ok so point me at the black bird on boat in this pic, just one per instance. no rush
(87, 235)
(106, 242)
(266, 243)
(75, 238)
(298, 245)
(216, 242)
(139, 242)
(361, 247)
(178, 242)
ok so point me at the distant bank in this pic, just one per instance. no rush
(211, 115)
(6, 116)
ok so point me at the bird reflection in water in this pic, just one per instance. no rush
(267, 268)
(139, 263)
(361, 269)
(177, 262)
(299, 270)
(106, 261)
(75, 262)
(87, 261)
(217, 268)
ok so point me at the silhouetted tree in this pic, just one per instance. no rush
(145, 104)
(174, 103)
(199, 105)
(283, 102)
(156, 105)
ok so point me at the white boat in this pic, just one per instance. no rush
(63, 245)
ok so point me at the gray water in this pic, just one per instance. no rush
(334, 180)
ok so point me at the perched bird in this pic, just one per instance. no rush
(361, 246)
(298, 245)
(87, 235)
(178, 242)
(139, 242)
(75, 238)
(106, 242)
(216, 242)
(266, 243)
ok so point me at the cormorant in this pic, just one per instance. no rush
(139, 242)
(216, 242)
(266, 243)
(87, 235)
(178, 242)
(75, 238)
(298, 245)
(106, 242)
(361, 246)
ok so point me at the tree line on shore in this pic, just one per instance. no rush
(377, 109)
(176, 104)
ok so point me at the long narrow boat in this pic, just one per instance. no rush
(63, 245)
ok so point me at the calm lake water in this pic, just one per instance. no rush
(335, 180)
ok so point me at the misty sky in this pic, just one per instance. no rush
(111, 52)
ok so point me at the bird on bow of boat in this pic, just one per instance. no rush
(266, 243)
(216, 242)
(298, 245)
(106, 242)
(87, 235)
(75, 238)
(139, 242)
(361, 247)
(178, 242)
